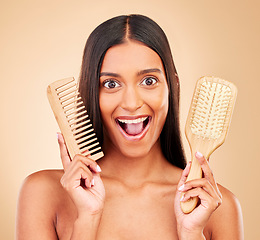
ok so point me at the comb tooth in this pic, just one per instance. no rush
(91, 151)
(76, 110)
(74, 105)
(64, 86)
(97, 155)
(77, 130)
(74, 121)
(80, 124)
(64, 99)
(81, 129)
(60, 87)
(89, 147)
(79, 135)
(64, 89)
(76, 115)
(68, 92)
(80, 140)
(70, 101)
(84, 144)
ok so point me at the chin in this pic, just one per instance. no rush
(135, 152)
(137, 149)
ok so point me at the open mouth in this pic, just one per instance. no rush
(133, 127)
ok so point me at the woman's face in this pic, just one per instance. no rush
(133, 98)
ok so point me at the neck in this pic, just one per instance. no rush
(134, 169)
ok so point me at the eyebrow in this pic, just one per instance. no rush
(150, 70)
(109, 74)
(145, 71)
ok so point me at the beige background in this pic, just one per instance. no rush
(42, 41)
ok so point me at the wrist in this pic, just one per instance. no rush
(89, 217)
(86, 226)
(191, 235)
(90, 212)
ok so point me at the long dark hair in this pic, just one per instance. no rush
(113, 32)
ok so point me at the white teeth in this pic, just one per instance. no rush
(138, 120)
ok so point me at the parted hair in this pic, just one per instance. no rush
(113, 32)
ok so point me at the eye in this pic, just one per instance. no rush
(110, 84)
(149, 81)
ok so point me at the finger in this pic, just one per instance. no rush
(78, 176)
(206, 201)
(200, 183)
(184, 174)
(65, 158)
(91, 164)
(88, 168)
(208, 174)
(204, 165)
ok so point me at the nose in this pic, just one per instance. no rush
(131, 99)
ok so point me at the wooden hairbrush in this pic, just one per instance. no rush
(207, 123)
(72, 118)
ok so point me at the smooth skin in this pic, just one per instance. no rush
(137, 193)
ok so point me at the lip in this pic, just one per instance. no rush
(139, 136)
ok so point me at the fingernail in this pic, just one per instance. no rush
(187, 164)
(199, 155)
(92, 182)
(98, 168)
(181, 187)
(182, 197)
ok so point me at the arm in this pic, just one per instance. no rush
(218, 212)
(82, 182)
(38, 203)
(41, 194)
(227, 220)
(35, 213)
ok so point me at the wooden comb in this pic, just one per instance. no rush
(72, 118)
(207, 123)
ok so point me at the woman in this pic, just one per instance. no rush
(131, 90)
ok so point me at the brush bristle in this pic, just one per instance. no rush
(210, 108)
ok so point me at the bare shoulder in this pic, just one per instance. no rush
(227, 221)
(172, 174)
(46, 181)
(42, 189)
(230, 201)
(38, 201)
(44, 176)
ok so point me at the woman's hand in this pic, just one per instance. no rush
(82, 181)
(210, 198)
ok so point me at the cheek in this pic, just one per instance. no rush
(104, 107)
(107, 105)
(159, 102)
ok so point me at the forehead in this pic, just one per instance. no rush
(131, 55)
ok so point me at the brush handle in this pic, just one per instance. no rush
(195, 173)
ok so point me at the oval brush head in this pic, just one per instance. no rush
(207, 123)
(211, 108)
